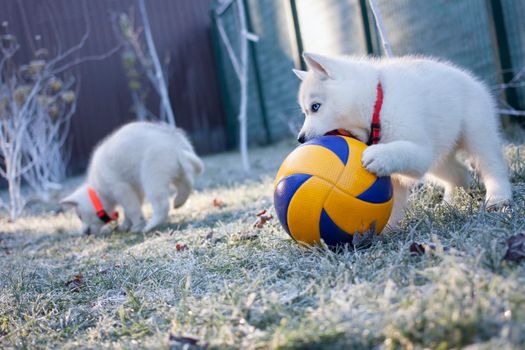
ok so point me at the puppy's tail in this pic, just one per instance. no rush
(194, 161)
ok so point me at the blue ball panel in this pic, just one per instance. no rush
(331, 234)
(283, 194)
(336, 144)
(380, 191)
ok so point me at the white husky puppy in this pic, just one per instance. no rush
(139, 162)
(430, 110)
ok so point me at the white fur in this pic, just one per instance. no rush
(139, 162)
(431, 110)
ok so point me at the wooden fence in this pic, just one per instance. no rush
(181, 29)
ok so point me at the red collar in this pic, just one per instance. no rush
(375, 130)
(102, 214)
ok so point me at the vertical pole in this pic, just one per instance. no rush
(243, 80)
(231, 128)
(299, 62)
(381, 28)
(366, 27)
(502, 50)
(258, 80)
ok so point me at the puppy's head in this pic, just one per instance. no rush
(327, 97)
(79, 199)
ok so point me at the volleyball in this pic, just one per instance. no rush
(322, 192)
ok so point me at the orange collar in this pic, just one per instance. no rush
(102, 214)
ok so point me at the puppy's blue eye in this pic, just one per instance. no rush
(315, 107)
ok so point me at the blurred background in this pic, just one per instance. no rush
(485, 36)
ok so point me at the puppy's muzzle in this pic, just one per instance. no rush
(301, 138)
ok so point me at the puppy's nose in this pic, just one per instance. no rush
(301, 138)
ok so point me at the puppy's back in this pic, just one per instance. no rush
(121, 155)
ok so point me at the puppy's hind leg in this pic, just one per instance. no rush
(401, 191)
(451, 174)
(157, 193)
(482, 141)
(184, 187)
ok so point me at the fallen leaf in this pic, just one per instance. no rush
(364, 240)
(262, 218)
(516, 248)
(106, 269)
(246, 236)
(180, 247)
(181, 342)
(218, 203)
(422, 248)
(416, 249)
(3, 245)
(6, 250)
(76, 282)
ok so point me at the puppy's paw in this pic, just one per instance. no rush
(106, 230)
(137, 227)
(150, 226)
(147, 228)
(377, 161)
(125, 225)
(496, 203)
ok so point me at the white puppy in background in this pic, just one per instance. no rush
(430, 110)
(139, 162)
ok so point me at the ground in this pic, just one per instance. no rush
(239, 287)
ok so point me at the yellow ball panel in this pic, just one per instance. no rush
(305, 209)
(311, 160)
(355, 179)
(354, 215)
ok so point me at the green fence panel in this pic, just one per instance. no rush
(460, 31)
(457, 31)
(514, 11)
(275, 58)
(230, 87)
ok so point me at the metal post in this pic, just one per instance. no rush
(366, 27)
(502, 50)
(299, 63)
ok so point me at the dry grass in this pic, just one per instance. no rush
(233, 289)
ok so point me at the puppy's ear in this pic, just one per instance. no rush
(72, 199)
(68, 201)
(301, 74)
(319, 64)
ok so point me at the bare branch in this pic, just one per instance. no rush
(163, 89)
(513, 112)
(81, 43)
(231, 54)
(86, 59)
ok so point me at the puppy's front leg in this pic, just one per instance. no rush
(398, 157)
